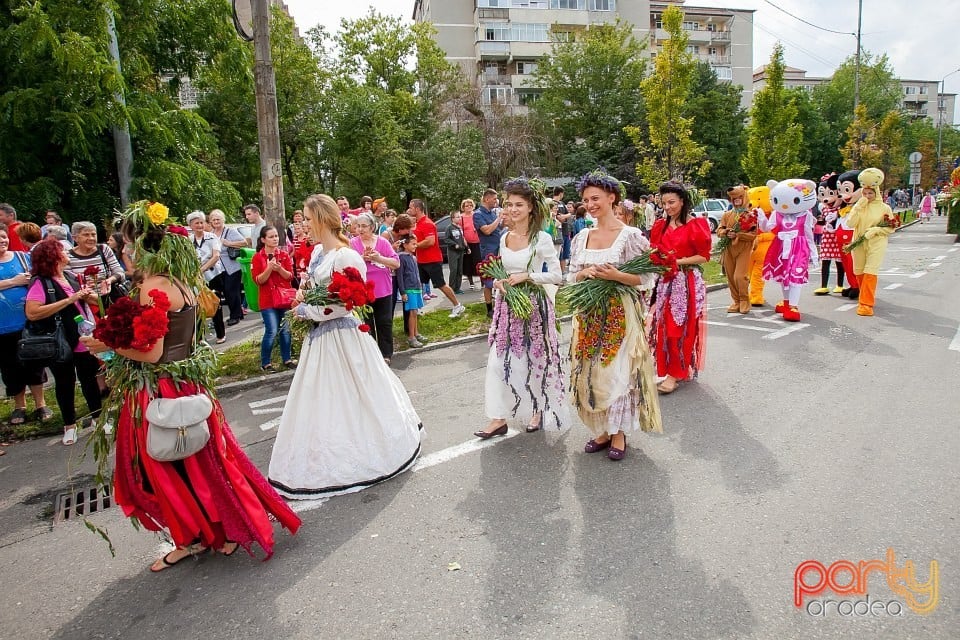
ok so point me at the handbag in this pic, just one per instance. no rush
(208, 300)
(177, 427)
(39, 347)
(233, 253)
(118, 289)
(282, 297)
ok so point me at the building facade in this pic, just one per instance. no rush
(498, 43)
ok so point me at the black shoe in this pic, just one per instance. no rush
(232, 321)
(486, 435)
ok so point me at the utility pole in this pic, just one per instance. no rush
(856, 77)
(268, 125)
(122, 147)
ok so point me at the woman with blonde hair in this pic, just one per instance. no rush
(337, 436)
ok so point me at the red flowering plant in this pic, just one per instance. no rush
(746, 222)
(887, 222)
(346, 288)
(91, 278)
(131, 325)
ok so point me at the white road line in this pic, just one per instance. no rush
(457, 450)
(263, 403)
(934, 265)
(263, 412)
(951, 250)
(424, 462)
(771, 320)
(940, 258)
(270, 424)
(785, 331)
(919, 274)
(847, 307)
(895, 285)
(955, 343)
(738, 326)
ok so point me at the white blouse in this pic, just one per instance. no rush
(629, 244)
(532, 261)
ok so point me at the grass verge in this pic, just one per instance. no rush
(33, 428)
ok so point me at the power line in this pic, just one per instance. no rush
(843, 33)
(791, 43)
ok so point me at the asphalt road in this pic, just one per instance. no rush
(832, 439)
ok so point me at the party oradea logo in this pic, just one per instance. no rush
(854, 582)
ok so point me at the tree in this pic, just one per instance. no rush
(820, 149)
(774, 136)
(718, 125)
(861, 149)
(457, 162)
(590, 92)
(669, 151)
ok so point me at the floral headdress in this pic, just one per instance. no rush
(175, 256)
(601, 179)
(537, 186)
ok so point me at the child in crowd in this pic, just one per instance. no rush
(408, 277)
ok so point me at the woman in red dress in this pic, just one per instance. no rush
(677, 327)
(215, 498)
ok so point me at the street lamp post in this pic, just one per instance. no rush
(941, 107)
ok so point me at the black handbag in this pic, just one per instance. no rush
(39, 346)
(118, 289)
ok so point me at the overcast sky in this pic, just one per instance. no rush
(919, 36)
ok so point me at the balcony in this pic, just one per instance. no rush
(493, 50)
(717, 61)
(495, 79)
(719, 36)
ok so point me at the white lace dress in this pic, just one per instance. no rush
(524, 369)
(617, 391)
(348, 422)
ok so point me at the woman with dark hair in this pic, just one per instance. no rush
(677, 328)
(56, 293)
(524, 373)
(118, 245)
(611, 373)
(272, 270)
(215, 498)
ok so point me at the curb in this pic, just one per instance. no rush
(257, 381)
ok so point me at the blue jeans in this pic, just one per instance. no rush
(274, 323)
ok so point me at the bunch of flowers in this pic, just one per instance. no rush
(91, 278)
(514, 295)
(346, 288)
(887, 222)
(587, 296)
(601, 332)
(131, 325)
(746, 222)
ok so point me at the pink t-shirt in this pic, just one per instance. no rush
(38, 293)
(379, 275)
(469, 229)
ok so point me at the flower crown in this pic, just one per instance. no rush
(175, 256)
(534, 184)
(602, 180)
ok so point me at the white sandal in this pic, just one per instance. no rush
(70, 436)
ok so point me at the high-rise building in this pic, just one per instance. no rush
(498, 43)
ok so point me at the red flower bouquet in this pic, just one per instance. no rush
(346, 288)
(131, 325)
(887, 222)
(746, 222)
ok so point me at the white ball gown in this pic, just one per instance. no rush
(348, 422)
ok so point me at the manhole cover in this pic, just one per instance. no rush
(81, 502)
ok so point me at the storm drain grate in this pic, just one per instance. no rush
(81, 502)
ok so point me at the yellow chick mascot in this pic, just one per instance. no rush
(870, 218)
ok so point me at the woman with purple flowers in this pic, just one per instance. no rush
(524, 374)
(611, 373)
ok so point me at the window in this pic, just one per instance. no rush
(527, 98)
(493, 4)
(496, 31)
(561, 36)
(602, 5)
(496, 95)
(526, 68)
(530, 32)
(659, 24)
(923, 90)
(530, 4)
(910, 90)
(693, 48)
(567, 4)
(712, 51)
(712, 27)
(691, 26)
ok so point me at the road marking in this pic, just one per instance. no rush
(785, 331)
(847, 307)
(423, 462)
(934, 265)
(738, 326)
(951, 250)
(457, 450)
(263, 412)
(940, 258)
(263, 403)
(270, 424)
(955, 343)
(919, 274)
(895, 285)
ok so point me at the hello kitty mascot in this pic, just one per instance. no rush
(793, 250)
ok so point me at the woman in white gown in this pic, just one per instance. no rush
(348, 422)
(524, 376)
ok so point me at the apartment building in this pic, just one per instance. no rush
(498, 43)
(918, 98)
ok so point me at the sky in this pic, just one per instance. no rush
(914, 33)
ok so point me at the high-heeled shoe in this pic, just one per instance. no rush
(533, 427)
(486, 435)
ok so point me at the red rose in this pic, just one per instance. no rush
(92, 271)
(364, 327)
(327, 311)
(178, 230)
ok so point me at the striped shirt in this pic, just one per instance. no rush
(78, 264)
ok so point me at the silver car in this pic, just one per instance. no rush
(713, 209)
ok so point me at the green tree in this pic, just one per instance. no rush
(718, 125)
(820, 149)
(458, 163)
(774, 136)
(668, 150)
(590, 93)
(860, 149)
